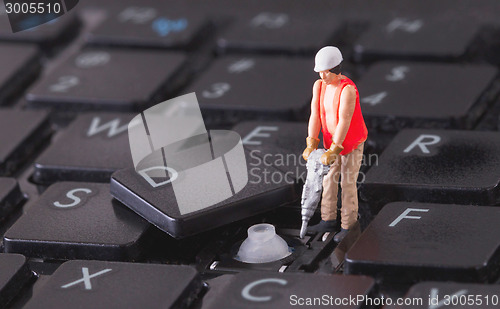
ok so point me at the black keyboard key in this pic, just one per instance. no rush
(76, 220)
(13, 276)
(47, 35)
(22, 132)
(429, 242)
(434, 295)
(153, 197)
(97, 284)
(20, 64)
(437, 166)
(10, 196)
(411, 35)
(108, 79)
(280, 28)
(255, 87)
(90, 149)
(401, 95)
(277, 290)
(279, 144)
(151, 24)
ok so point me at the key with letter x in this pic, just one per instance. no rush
(440, 166)
(429, 242)
(86, 278)
(96, 284)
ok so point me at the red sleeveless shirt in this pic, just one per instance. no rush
(357, 132)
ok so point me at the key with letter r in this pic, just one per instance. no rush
(437, 166)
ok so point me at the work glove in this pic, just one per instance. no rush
(330, 156)
(311, 145)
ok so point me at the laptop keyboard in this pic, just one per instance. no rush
(429, 87)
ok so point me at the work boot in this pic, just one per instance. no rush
(324, 226)
(340, 235)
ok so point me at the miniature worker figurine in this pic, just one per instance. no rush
(336, 111)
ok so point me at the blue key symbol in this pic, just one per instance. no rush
(163, 26)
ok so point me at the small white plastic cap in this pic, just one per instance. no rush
(327, 58)
(262, 245)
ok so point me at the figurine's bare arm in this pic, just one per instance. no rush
(314, 120)
(346, 110)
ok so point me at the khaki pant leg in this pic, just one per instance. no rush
(348, 182)
(330, 190)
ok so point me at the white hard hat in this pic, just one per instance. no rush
(327, 58)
